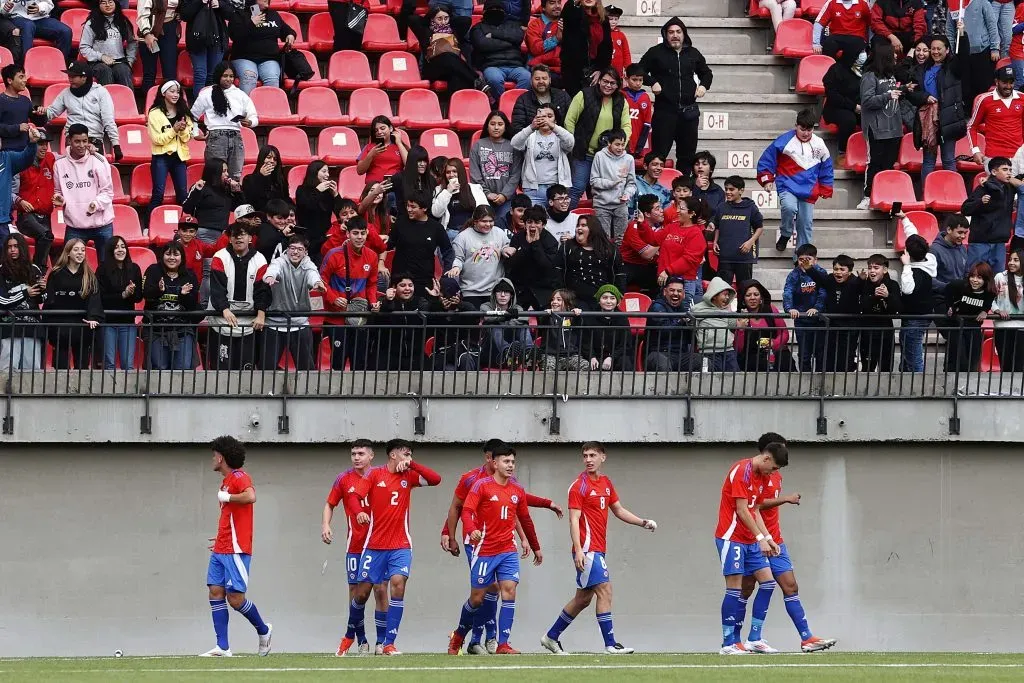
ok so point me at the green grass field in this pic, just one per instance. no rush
(834, 666)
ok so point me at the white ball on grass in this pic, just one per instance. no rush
(118, 653)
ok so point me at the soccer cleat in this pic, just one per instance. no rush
(760, 647)
(390, 651)
(619, 649)
(364, 648)
(455, 643)
(378, 649)
(492, 646)
(477, 649)
(736, 649)
(780, 244)
(216, 652)
(505, 649)
(553, 646)
(343, 646)
(815, 644)
(265, 641)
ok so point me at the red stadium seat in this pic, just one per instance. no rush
(856, 153)
(143, 257)
(119, 195)
(293, 23)
(825, 127)
(381, 34)
(350, 70)
(944, 191)
(295, 176)
(128, 226)
(319, 107)
(49, 95)
(419, 109)
(309, 6)
(927, 226)
(989, 358)
(272, 107)
(320, 33)
(756, 11)
(635, 302)
(978, 180)
(293, 144)
(197, 150)
(366, 103)
(398, 70)
(135, 143)
(142, 185)
(325, 353)
(185, 74)
(793, 39)
(810, 72)
(317, 81)
(125, 109)
(92, 256)
(894, 186)
(507, 101)
(250, 145)
(193, 173)
(667, 176)
(468, 109)
(75, 20)
(338, 146)
(350, 183)
(45, 65)
(910, 158)
(963, 148)
(441, 142)
(163, 224)
(5, 57)
(811, 8)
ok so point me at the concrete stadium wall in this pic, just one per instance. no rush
(897, 547)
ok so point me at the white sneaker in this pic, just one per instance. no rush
(476, 649)
(378, 649)
(216, 652)
(265, 642)
(865, 204)
(491, 645)
(619, 649)
(760, 647)
(736, 649)
(364, 648)
(553, 646)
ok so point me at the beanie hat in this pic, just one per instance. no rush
(608, 289)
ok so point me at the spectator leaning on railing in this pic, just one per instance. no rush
(1009, 334)
(349, 273)
(72, 287)
(763, 344)
(968, 302)
(170, 289)
(880, 299)
(916, 278)
(290, 278)
(120, 283)
(669, 338)
(803, 300)
(21, 290)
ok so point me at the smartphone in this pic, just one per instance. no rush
(240, 117)
(897, 207)
(254, 10)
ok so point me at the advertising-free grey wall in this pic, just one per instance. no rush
(897, 547)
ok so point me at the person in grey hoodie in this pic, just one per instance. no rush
(495, 165)
(87, 103)
(880, 114)
(507, 341)
(108, 43)
(714, 331)
(478, 257)
(290, 277)
(981, 28)
(613, 183)
(951, 257)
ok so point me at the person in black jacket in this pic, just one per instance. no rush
(533, 269)
(267, 181)
(120, 283)
(582, 59)
(560, 327)
(170, 289)
(588, 261)
(842, 98)
(254, 34)
(415, 238)
(879, 300)
(399, 341)
(273, 234)
(497, 49)
(21, 290)
(670, 68)
(608, 338)
(316, 200)
(843, 290)
(206, 37)
(968, 302)
(456, 335)
(919, 267)
(72, 286)
(991, 207)
(526, 104)
(212, 199)
(939, 96)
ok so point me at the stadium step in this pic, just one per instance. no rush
(848, 189)
(645, 32)
(776, 112)
(829, 238)
(700, 8)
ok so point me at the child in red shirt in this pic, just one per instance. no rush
(640, 110)
(621, 58)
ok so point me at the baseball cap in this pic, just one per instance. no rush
(244, 210)
(76, 69)
(612, 10)
(1005, 73)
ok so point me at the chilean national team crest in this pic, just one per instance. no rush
(366, 267)
(643, 105)
(405, 484)
(515, 500)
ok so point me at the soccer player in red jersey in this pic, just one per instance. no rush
(486, 617)
(228, 572)
(781, 565)
(744, 544)
(489, 516)
(590, 498)
(387, 555)
(362, 457)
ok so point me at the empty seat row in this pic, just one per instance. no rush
(944, 191)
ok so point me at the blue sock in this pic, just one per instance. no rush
(561, 623)
(219, 611)
(356, 618)
(796, 613)
(380, 620)
(395, 610)
(490, 614)
(604, 620)
(249, 611)
(743, 612)
(761, 600)
(505, 618)
(732, 620)
(467, 619)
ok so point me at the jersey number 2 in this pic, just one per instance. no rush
(394, 497)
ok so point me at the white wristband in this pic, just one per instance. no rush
(759, 538)
(224, 496)
(769, 538)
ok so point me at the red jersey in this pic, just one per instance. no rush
(637, 240)
(640, 113)
(1002, 122)
(1017, 39)
(343, 485)
(845, 21)
(539, 31)
(592, 498)
(492, 509)
(741, 482)
(389, 496)
(344, 268)
(234, 532)
(385, 165)
(682, 249)
(36, 186)
(465, 485)
(620, 52)
(771, 515)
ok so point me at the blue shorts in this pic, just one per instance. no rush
(484, 571)
(352, 567)
(231, 571)
(595, 571)
(469, 554)
(740, 558)
(782, 563)
(377, 566)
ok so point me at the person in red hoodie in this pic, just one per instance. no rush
(639, 250)
(33, 197)
(763, 344)
(544, 37)
(901, 22)
(682, 245)
(196, 251)
(338, 232)
(621, 57)
(350, 273)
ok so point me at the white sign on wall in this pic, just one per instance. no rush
(764, 199)
(714, 120)
(648, 8)
(739, 160)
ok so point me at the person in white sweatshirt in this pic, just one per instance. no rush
(545, 146)
(919, 267)
(32, 17)
(225, 110)
(1009, 334)
(613, 183)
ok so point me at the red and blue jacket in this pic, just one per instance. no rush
(804, 169)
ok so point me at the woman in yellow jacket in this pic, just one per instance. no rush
(170, 126)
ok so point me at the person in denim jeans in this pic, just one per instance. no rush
(497, 49)
(254, 53)
(593, 111)
(714, 331)
(919, 267)
(120, 283)
(206, 38)
(32, 17)
(170, 125)
(170, 289)
(226, 110)
(803, 300)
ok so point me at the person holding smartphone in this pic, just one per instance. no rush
(385, 153)
(255, 54)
